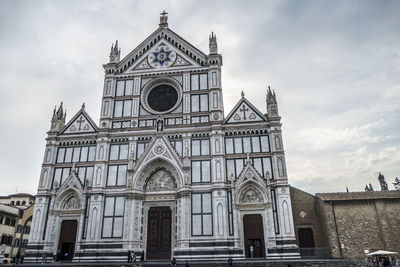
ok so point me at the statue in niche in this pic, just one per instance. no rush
(159, 181)
(383, 183)
(251, 197)
(160, 125)
(72, 203)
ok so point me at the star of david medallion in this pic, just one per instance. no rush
(161, 57)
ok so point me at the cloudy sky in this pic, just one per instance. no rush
(335, 67)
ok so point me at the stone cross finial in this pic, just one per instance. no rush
(163, 18)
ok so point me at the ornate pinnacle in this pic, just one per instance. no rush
(213, 44)
(242, 93)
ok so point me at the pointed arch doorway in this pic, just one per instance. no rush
(66, 242)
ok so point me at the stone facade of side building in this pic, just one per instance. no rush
(345, 225)
(165, 173)
(15, 221)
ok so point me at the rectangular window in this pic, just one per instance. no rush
(230, 213)
(178, 145)
(275, 211)
(124, 88)
(76, 154)
(85, 174)
(117, 175)
(199, 81)
(122, 108)
(201, 171)
(200, 147)
(119, 151)
(113, 217)
(199, 103)
(85, 221)
(253, 144)
(201, 214)
(60, 175)
(140, 147)
(233, 168)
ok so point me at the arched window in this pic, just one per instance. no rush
(277, 142)
(48, 155)
(280, 167)
(1, 219)
(23, 202)
(12, 203)
(27, 230)
(7, 222)
(18, 203)
(12, 222)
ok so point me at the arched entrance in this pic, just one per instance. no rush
(253, 235)
(66, 243)
(159, 233)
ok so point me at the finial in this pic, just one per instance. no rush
(163, 18)
(213, 44)
(83, 105)
(242, 93)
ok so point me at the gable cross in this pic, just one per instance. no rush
(80, 121)
(244, 109)
(186, 120)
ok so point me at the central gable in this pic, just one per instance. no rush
(143, 56)
(244, 112)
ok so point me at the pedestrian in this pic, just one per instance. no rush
(230, 262)
(173, 262)
(187, 264)
(129, 256)
(142, 256)
(22, 258)
(133, 256)
(54, 255)
(17, 258)
(43, 258)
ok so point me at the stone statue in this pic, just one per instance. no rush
(383, 183)
(160, 125)
(396, 183)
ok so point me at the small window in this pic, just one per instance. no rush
(201, 171)
(199, 81)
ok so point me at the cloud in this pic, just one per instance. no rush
(334, 66)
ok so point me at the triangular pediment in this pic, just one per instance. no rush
(244, 112)
(249, 174)
(144, 57)
(81, 123)
(163, 56)
(159, 147)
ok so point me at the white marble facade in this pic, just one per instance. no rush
(163, 141)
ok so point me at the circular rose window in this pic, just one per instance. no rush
(161, 95)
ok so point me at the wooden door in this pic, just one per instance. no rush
(66, 243)
(253, 236)
(159, 233)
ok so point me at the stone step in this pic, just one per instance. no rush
(239, 263)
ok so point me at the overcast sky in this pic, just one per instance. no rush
(335, 67)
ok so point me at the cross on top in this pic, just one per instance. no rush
(163, 17)
(244, 109)
(80, 121)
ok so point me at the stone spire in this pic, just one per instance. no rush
(115, 53)
(58, 119)
(164, 19)
(272, 105)
(213, 44)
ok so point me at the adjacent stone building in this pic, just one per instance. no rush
(165, 172)
(15, 219)
(345, 225)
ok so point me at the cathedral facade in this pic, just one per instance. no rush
(165, 172)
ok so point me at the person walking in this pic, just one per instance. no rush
(17, 258)
(173, 262)
(133, 257)
(22, 258)
(54, 255)
(129, 256)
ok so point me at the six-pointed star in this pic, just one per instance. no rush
(161, 57)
